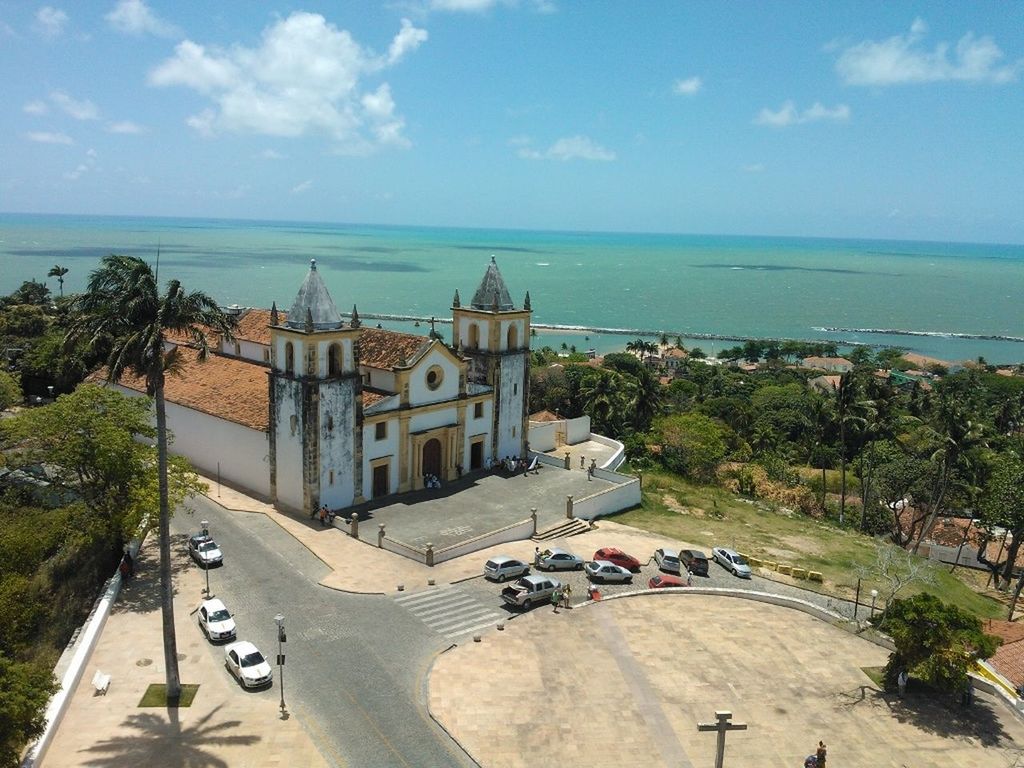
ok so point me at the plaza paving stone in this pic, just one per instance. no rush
(625, 682)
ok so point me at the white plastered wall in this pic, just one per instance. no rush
(443, 417)
(289, 444)
(520, 326)
(420, 393)
(377, 449)
(475, 428)
(510, 406)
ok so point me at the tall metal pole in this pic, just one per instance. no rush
(206, 564)
(279, 620)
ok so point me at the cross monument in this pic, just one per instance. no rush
(721, 726)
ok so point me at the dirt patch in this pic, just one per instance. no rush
(784, 555)
(671, 503)
(803, 544)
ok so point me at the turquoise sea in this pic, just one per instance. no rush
(765, 287)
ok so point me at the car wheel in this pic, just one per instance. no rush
(579, 566)
(501, 577)
(629, 580)
(527, 604)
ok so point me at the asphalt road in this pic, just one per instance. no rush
(356, 665)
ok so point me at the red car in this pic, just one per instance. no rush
(663, 580)
(617, 556)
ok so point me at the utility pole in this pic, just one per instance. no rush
(722, 726)
(281, 638)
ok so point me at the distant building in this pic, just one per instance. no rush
(827, 384)
(830, 364)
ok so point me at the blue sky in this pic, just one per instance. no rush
(868, 119)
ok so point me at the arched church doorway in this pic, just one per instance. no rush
(432, 457)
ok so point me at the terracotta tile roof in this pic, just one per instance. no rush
(1008, 660)
(923, 361)
(1009, 631)
(254, 325)
(371, 396)
(379, 348)
(231, 389)
(681, 354)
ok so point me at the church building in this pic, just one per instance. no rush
(310, 409)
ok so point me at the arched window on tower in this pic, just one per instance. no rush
(474, 336)
(513, 337)
(334, 360)
(289, 358)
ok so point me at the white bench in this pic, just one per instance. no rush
(100, 682)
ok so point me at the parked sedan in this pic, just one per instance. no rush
(247, 664)
(559, 560)
(204, 550)
(216, 621)
(602, 571)
(501, 568)
(667, 560)
(732, 561)
(617, 556)
(694, 561)
(666, 580)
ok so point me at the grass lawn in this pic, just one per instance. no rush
(156, 695)
(708, 516)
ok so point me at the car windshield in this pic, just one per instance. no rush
(207, 546)
(491, 564)
(252, 659)
(221, 615)
(671, 559)
(738, 560)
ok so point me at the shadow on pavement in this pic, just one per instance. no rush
(936, 714)
(141, 593)
(153, 739)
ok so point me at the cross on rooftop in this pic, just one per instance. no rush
(721, 726)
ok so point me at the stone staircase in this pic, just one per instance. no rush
(567, 528)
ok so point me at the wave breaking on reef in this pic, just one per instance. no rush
(934, 334)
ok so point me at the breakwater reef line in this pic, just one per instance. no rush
(932, 334)
(634, 332)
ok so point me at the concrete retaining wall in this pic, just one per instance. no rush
(577, 430)
(515, 532)
(623, 495)
(618, 455)
(543, 436)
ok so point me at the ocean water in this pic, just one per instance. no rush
(763, 287)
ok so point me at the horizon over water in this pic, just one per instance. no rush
(912, 293)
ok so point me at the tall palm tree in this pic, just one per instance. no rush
(848, 411)
(58, 271)
(123, 312)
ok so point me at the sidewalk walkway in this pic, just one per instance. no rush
(225, 726)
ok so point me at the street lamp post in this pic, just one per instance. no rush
(874, 596)
(281, 638)
(206, 565)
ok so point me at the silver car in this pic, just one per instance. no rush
(501, 568)
(668, 560)
(601, 571)
(731, 561)
(559, 560)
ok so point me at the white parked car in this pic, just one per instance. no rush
(731, 561)
(501, 568)
(247, 664)
(601, 571)
(216, 621)
(559, 560)
(204, 550)
(668, 560)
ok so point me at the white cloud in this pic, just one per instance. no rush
(51, 21)
(569, 148)
(788, 114)
(462, 6)
(35, 108)
(305, 77)
(753, 168)
(134, 17)
(687, 87)
(45, 137)
(80, 110)
(270, 154)
(77, 173)
(900, 59)
(408, 39)
(301, 187)
(125, 126)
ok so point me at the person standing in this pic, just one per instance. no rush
(583, 461)
(820, 754)
(323, 516)
(556, 598)
(566, 594)
(901, 682)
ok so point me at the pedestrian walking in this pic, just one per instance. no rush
(566, 595)
(129, 562)
(323, 516)
(556, 597)
(536, 557)
(583, 461)
(820, 754)
(901, 682)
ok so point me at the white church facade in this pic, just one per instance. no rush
(308, 408)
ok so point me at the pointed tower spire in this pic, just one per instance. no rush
(456, 302)
(526, 303)
(492, 295)
(313, 301)
(273, 314)
(309, 320)
(355, 317)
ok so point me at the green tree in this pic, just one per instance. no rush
(692, 444)
(123, 303)
(25, 690)
(1002, 506)
(697, 354)
(849, 410)
(935, 642)
(58, 271)
(10, 391)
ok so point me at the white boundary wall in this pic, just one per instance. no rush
(577, 430)
(516, 532)
(543, 435)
